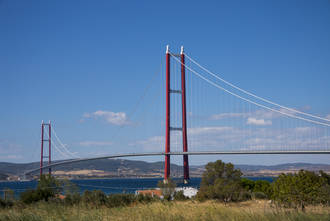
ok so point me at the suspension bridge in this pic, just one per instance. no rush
(208, 115)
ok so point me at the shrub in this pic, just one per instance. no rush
(29, 196)
(48, 187)
(118, 200)
(180, 196)
(259, 195)
(6, 203)
(145, 198)
(71, 199)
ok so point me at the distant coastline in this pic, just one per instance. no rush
(120, 168)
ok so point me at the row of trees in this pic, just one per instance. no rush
(49, 189)
(223, 182)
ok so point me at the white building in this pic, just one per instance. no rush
(187, 191)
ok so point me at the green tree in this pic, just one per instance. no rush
(48, 187)
(221, 181)
(247, 184)
(263, 186)
(300, 189)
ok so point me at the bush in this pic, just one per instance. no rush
(48, 187)
(71, 199)
(145, 198)
(259, 195)
(118, 200)
(29, 196)
(180, 196)
(6, 203)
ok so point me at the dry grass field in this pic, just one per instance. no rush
(189, 210)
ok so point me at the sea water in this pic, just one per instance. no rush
(109, 186)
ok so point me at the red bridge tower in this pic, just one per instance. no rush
(184, 119)
(49, 140)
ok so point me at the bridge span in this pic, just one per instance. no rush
(71, 161)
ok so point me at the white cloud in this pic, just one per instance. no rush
(13, 157)
(303, 129)
(10, 150)
(328, 116)
(119, 118)
(215, 138)
(258, 122)
(258, 114)
(207, 130)
(228, 115)
(155, 143)
(95, 143)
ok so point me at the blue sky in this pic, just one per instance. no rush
(84, 66)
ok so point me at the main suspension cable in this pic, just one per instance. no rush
(247, 100)
(253, 95)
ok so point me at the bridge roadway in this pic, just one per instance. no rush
(176, 153)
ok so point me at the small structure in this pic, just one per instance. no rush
(151, 193)
(187, 191)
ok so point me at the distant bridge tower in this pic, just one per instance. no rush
(168, 121)
(43, 140)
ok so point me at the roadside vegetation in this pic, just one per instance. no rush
(223, 195)
(223, 182)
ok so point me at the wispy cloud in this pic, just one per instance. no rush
(155, 143)
(228, 115)
(328, 116)
(9, 150)
(264, 114)
(258, 122)
(12, 157)
(119, 118)
(232, 138)
(95, 143)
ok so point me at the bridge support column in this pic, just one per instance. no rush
(49, 148)
(167, 136)
(184, 119)
(42, 146)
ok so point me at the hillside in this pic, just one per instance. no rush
(134, 168)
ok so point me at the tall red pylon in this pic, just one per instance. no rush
(167, 135)
(168, 114)
(184, 118)
(49, 140)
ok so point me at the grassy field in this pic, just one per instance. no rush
(189, 210)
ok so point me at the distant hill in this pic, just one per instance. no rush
(109, 167)
(134, 168)
(287, 166)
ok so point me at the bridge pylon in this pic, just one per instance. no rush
(168, 114)
(43, 140)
